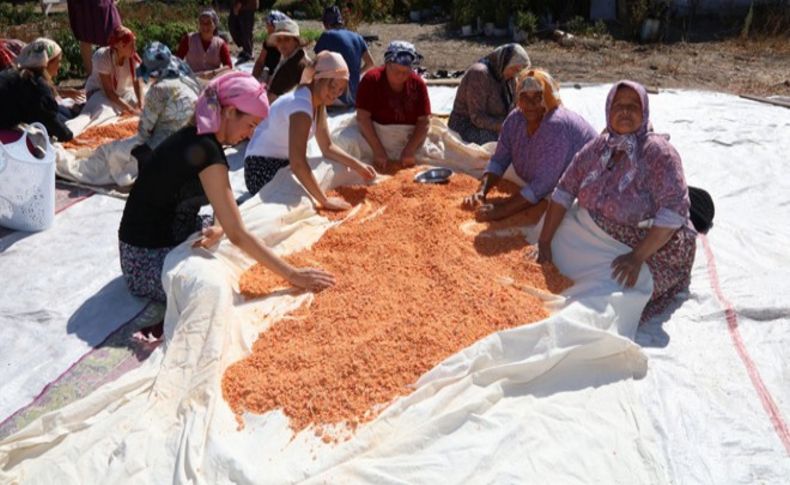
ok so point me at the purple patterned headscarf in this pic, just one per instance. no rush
(629, 143)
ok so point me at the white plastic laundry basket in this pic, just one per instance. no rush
(27, 183)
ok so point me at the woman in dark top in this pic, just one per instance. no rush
(269, 57)
(293, 60)
(188, 170)
(27, 98)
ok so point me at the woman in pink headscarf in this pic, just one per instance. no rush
(303, 112)
(631, 182)
(188, 170)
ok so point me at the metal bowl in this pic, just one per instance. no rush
(434, 176)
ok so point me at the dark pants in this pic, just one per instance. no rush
(241, 27)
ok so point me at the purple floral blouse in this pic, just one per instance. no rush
(632, 179)
(541, 158)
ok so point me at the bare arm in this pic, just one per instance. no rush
(365, 123)
(367, 63)
(486, 183)
(109, 91)
(298, 134)
(260, 62)
(415, 141)
(337, 154)
(217, 187)
(138, 93)
(554, 215)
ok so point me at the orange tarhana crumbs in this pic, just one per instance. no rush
(97, 136)
(412, 289)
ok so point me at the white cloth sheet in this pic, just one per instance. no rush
(569, 400)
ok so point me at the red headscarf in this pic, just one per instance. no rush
(124, 35)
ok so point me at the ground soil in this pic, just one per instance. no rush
(750, 67)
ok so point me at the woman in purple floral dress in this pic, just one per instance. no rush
(631, 182)
(539, 138)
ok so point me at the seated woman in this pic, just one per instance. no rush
(485, 95)
(269, 57)
(169, 106)
(631, 182)
(27, 98)
(113, 87)
(539, 138)
(393, 94)
(205, 51)
(303, 112)
(43, 57)
(293, 59)
(187, 170)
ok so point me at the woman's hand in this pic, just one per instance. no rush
(365, 171)
(625, 269)
(474, 200)
(381, 161)
(493, 212)
(407, 158)
(209, 237)
(336, 204)
(311, 279)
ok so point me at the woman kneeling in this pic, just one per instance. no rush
(188, 170)
(282, 139)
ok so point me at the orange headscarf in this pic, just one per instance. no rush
(539, 80)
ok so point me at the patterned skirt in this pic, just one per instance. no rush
(469, 132)
(142, 267)
(259, 171)
(93, 21)
(142, 270)
(670, 265)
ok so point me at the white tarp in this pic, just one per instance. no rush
(550, 402)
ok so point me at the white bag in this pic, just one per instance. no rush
(27, 182)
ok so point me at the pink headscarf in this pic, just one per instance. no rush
(237, 89)
(327, 65)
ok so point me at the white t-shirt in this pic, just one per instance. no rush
(271, 136)
(103, 64)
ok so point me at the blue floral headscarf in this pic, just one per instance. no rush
(403, 53)
(159, 62)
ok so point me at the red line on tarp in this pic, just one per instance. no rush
(751, 368)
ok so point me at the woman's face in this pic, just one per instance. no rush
(626, 114)
(53, 66)
(125, 49)
(331, 89)
(286, 44)
(531, 104)
(236, 126)
(206, 27)
(397, 75)
(511, 71)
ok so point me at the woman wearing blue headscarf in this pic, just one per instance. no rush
(169, 105)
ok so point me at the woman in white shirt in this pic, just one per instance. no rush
(113, 87)
(303, 112)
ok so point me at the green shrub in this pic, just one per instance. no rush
(11, 14)
(463, 12)
(527, 22)
(580, 26)
(71, 64)
(310, 35)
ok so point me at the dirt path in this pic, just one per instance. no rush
(757, 68)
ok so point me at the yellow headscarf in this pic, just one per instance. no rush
(539, 80)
